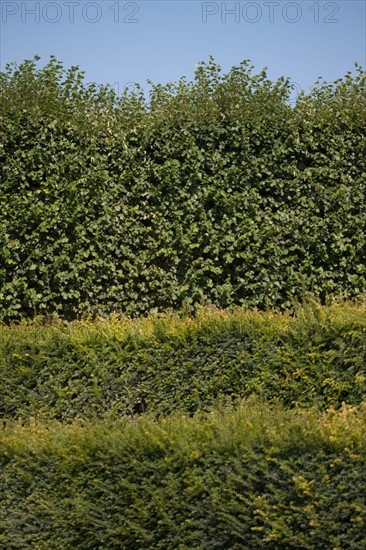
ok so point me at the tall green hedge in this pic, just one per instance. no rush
(242, 479)
(107, 368)
(211, 191)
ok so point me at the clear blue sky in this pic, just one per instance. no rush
(122, 42)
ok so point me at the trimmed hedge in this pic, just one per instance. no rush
(112, 367)
(215, 191)
(245, 478)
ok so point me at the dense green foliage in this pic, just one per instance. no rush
(216, 192)
(105, 368)
(246, 478)
(212, 191)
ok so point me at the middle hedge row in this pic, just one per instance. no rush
(116, 366)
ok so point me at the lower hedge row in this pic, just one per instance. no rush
(93, 369)
(248, 477)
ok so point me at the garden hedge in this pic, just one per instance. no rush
(245, 478)
(216, 191)
(109, 368)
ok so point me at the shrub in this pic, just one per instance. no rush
(107, 367)
(239, 478)
(215, 191)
